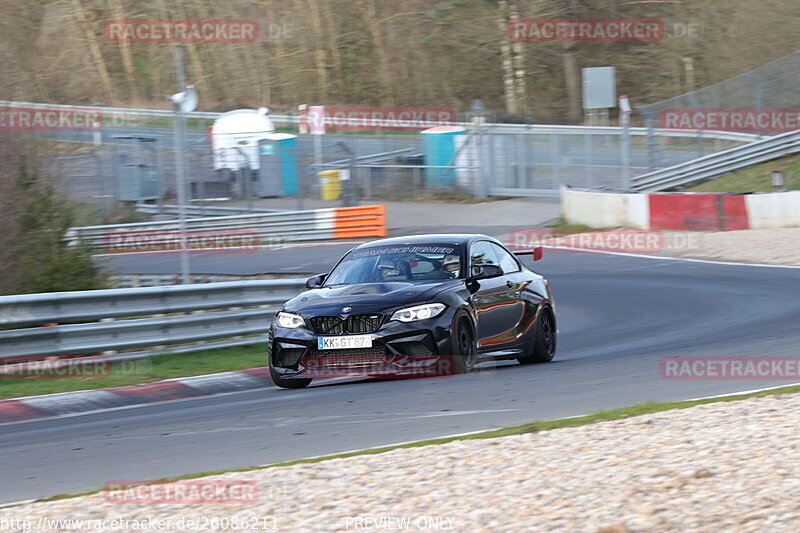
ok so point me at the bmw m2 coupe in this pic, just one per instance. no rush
(420, 305)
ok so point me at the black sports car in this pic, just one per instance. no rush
(421, 305)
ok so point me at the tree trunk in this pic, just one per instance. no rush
(507, 61)
(94, 49)
(320, 55)
(518, 64)
(368, 9)
(572, 76)
(127, 57)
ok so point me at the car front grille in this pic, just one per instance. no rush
(356, 357)
(363, 323)
(327, 325)
(336, 325)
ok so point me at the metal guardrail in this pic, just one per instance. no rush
(109, 111)
(198, 210)
(719, 164)
(81, 339)
(219, 311)
(80, 306)
(615, 130)
(499, 128)
(127, 281)
(269, 228)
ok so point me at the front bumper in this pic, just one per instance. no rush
(399, 349)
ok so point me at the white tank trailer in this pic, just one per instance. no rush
(234, 143)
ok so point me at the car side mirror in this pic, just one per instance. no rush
(485, 272)
(315, 281)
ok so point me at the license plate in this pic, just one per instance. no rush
(350, 341)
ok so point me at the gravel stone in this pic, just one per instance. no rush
(778, 246)
(728, 466)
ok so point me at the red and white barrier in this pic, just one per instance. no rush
(681, 211)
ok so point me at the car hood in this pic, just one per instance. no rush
(366, 297)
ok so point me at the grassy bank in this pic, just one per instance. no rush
(755, 179)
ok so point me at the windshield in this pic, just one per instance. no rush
(379, 264)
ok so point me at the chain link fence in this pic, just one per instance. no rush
(340, 169)
(763, 101)
(130, 157)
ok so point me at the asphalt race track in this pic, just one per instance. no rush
(618, 316)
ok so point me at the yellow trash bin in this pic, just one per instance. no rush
(330, 184)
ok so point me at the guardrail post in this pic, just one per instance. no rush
(180, 128)
(587, 146)
(484, 187)
(554, 161)
(625, 151)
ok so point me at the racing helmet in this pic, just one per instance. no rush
(386, 268)
(452, 264)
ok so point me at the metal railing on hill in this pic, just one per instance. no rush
(718, 164)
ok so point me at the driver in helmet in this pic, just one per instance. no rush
(452, 265)
(386, 270)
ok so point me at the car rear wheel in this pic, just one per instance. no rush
(286, 383)
(544, 347)
(463, 344)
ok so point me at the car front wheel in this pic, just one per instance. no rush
(463, 345)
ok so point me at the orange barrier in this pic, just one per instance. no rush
(360, 221)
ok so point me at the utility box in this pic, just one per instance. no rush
(277, 170)
(137, 169)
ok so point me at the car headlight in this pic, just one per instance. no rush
(289, 320)
(418, 312)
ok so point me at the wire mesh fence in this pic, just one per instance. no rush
(763, 101)
(287, 171)
(129, 156)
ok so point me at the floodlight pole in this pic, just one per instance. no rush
(179, 126)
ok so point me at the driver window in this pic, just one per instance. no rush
(391, 269)
(507, 261)
(482, 253)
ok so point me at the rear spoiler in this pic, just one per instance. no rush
(535, 252)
